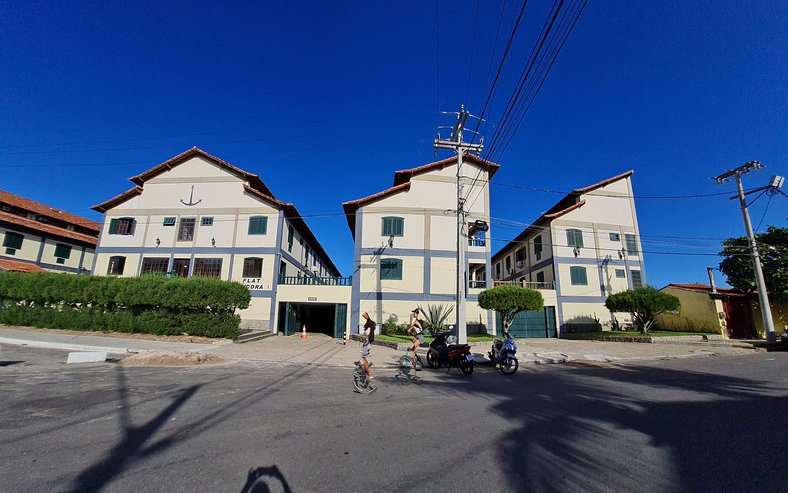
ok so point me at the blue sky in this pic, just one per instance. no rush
(325, 100)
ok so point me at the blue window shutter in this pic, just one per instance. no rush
(393, 226)
(62, 250)
(113, 226)
(391, 268)
(578, 276)
(13, 240)
(258, 225)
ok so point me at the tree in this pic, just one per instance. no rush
(738, 269)
(508, 301)
(644, 304)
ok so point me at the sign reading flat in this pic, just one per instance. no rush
(253, 283)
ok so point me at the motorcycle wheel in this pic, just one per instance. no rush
(466, 368)
(432, 360)
(509, 366)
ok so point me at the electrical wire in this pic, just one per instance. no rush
(473, 50)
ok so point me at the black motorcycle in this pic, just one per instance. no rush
(502, 353)
(442, 353)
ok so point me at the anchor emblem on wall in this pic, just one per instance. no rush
(191, 199)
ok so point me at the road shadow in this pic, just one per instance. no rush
(265, 480)
(717, 433)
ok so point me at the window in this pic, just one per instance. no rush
(620, 273)
(637, 279)
(207, 267)
(306, 256)
(253, 267)
(206, 221)
(574, 238)
(6, 208)
(498, 270)
(180, 267)
(168, 221)
(186, 229)
(116, 266)
(519, 256)
(579, 276)
(540, 276)
(290, 238)
(538, 247)
(393, 226)
(391, 268)
(508, 262)
(258, 225)
(615, 237)
(282, 269)
(12, 242)
(62, 251)
(122, 226)
(154, 265)
(632, 244)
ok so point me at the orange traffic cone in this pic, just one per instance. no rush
(303, 333)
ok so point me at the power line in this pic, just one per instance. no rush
(473, 50)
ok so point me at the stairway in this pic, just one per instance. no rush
(249, 335)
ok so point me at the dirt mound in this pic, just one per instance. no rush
(170, 358)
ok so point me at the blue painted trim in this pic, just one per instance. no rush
(424, 253)
(427, 275)
(355, 293)
(386, 296)
(63, 268)
(198, 250)
(588, 261)
(82, 259)
(280, 224)
(41, 250)
(263, 293)
(581, 299)
(95, 251)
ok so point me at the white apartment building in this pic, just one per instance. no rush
(405, 242)
(581, 250)
(197, 215)
(36, 237)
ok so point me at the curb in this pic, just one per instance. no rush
(60, 345)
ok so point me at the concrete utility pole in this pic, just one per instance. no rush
(766, 311)
(455, 143)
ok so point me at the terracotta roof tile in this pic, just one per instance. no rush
(352, 206)
(46, 228)
(19, 266)
(405, 175)
(45, 210)
(117, 200)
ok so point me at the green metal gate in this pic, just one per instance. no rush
(535, 324)
(340, 320)
(290, 319)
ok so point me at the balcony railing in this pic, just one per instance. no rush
(525, 284)
(316, 281)
(476, 242)
(477, 284)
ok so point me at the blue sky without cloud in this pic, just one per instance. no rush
(325, 100)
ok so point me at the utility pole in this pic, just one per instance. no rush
(456, 143)
(766, 311)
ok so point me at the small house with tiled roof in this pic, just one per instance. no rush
(405, 242)
(36, 237)
(198, 215)
(577, 253)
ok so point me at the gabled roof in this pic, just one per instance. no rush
(8, 218)
(45, 210)
(352, 206)
(567, 204)
(167, 165)
(405, 175)
(402, 183)
(18, 266)
(117, 200)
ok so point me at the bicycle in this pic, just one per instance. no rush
(408, 363)
(361, 383)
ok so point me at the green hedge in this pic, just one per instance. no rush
(149, 304)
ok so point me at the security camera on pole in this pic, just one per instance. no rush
(455, 143)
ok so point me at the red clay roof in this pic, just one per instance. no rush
(253, 179)
(117, 200)
(45, 210)
(24, 222)
(352, 206)
(18, 266)
(563, 206)
(405, 175)
(696, 287)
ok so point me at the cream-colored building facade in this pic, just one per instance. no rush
(584, 248)
(197, 215)
(37, 237)
(405, 242)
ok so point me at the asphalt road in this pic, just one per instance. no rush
(700, 424)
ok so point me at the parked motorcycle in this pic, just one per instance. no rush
(442, 351)
(502, 354)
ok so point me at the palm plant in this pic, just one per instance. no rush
(436, 315)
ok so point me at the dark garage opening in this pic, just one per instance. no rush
(318, 317)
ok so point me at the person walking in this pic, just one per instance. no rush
(367, 337)
(416, 332)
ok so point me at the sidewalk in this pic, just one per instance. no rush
(321, 349)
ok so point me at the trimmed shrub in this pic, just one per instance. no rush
(149, 304)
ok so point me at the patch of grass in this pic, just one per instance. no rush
(428, 339)
(480, 337)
